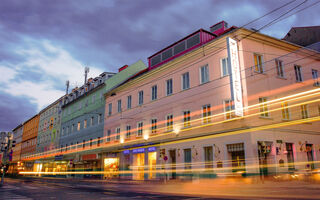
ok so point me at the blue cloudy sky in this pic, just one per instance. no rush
(43, 43)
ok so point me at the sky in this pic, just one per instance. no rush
(43, 43)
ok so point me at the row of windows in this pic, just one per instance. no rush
(258, 67)
(185, 79)
(82, 104)
(73, 128)
(264, 111)
(83, 144)
(204, 78)
(206, 117)
(206, 113)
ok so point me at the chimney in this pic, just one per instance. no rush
(123, 67)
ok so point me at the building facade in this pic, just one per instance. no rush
(49, 127)
(239, 102)
(29, 140)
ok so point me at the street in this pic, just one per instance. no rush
(39, 188)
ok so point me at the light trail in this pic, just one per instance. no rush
(293, 97)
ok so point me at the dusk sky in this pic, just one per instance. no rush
(43, 43)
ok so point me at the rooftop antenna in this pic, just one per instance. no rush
(86, 71)
(67, 84)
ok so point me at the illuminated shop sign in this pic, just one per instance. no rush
(126, 152)
(235, 79)
(138, 150)
(151, 149)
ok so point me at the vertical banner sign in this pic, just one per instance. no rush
(235, 79)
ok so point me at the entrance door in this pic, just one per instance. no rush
(310, 155)
(208, 157)
(173, 159)
(290, 158)
(152, 159)
(138, 162)
(187, 158)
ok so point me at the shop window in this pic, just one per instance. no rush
(208, 157)
(187, 158)
(236, 151)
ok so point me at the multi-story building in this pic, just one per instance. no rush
(49, 127)
(16, 154)
(29, 140)
(228, 100)
(83, 116)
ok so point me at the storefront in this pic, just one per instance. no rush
(141, 162)
(111, 166)
(237, 155)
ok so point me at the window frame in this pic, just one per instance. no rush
(186, 118)
(140, 97)
(258, 67)
(154, 125)
(228, 114)
(298, 73)
(183, 81)
(169, 87)
(263, 107)
(280, 68)
(206, 116)
(285, 110)
(169, 122)
(139, 129)
(154, 92)
(206, 78)
(119, 106)
(129, 102)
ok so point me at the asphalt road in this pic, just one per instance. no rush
(38, 189)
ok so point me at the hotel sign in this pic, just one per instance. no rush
(235, 79)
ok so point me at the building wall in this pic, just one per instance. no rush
(17, 137)
(215, 92)
(29, 136)
(49, 127)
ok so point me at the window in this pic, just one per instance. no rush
(206, 113)
(119, 105)
(304, 111)
(129, 98)
(186, 118)
(153, 125)
(285, 111)
(140, 100)
(91, 122)
(72, 128)
(258, 66)
(85, 124)
(297, 70)
(154, 92)
(263, 107)
(98, 142)
(185, 81)
(84, 144)
(108, 135)
(118, 133)
(110, 109)
(140, 129)
(169, 122)
(78, 128)
(224, 67)
(280, 69)
(93, 98)
(204, 74)
(187, 158)
(128, 131)
(99, 118)
(208, 157)
(169, 87)
(90, 142)
(315, 77)
(228, 108)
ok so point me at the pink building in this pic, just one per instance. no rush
(187, 115)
